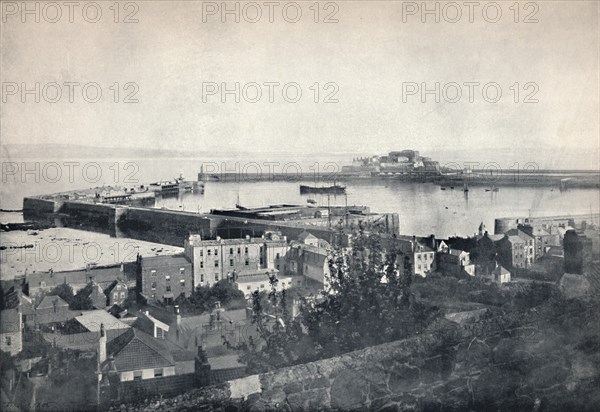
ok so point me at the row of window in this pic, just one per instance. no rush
(216, 251)
(181, 272)
(168, 287)
(262, 285)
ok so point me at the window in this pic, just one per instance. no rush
(216, 252)
(231, 251)
(277, 256)
(230, 262)
(261, 260)
(116, 295)
(239, 250)
(153, 272)
(168, 288)
(167, 277)
(8, 340)
(137, 375)
(248, 287)
(201, 252)
(158, 373)
(153, 286)
(182, 283)
(202, 278)
(262, 286)
(122, 294)
(216, 277)
(246, 250)
(201, 264)
(182, 271)
(208, 252)
(216, 263)
(246, 262)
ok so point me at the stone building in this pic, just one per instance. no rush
(164, 278)
(215, 260)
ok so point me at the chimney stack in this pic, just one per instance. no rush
(177, 316)
(102, 345)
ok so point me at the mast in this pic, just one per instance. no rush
(328, 213)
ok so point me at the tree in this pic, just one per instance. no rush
(82, 300)
(64, 291)
(369, 302)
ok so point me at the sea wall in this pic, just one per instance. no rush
(35, 206)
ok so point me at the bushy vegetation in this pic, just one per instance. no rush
(203, 298)
(78, 301)
(370, 302)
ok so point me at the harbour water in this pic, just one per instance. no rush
(423, 208)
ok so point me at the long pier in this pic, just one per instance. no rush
(478, 177)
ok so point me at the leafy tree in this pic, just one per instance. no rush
(369, 302)
(82, 300)
(203, 298)
(64, 291)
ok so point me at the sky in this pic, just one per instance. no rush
(364, 65)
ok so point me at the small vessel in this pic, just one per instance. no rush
(492, 189)
(466, 187)
(311, 201)
(452, 187)
(335, 189)
(442, 188)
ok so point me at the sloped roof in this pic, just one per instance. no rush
(500, 270)
(136, 350)
(49, 301)
(92, 320)
(162, 261)
(306, 235)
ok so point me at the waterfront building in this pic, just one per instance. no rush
(543, 239)
(164, 278)
(136, 364)
(11, 327)
(420, 256)
(116, 293)
(215, 260)
(51, 312)
(39, 282)
(260, 281)
(455, 262)
(516, 249)
(500, 274)
(309, 258)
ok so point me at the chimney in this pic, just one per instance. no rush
(177, 316)
(102, 345)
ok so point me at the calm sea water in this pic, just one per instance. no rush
(423, 208)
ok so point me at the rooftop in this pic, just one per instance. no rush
(92, 320)
(170, 260)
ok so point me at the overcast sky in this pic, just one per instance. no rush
(367, 56)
